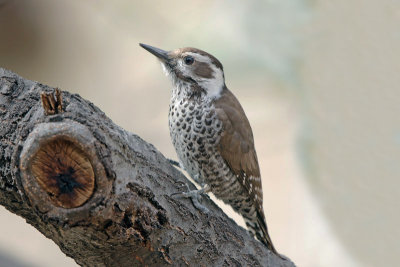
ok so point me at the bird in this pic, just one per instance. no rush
(212, 135)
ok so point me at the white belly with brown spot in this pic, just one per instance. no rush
(195, 132)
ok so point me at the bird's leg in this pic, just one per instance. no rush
(194, 195)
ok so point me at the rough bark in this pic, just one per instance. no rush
(102, 194)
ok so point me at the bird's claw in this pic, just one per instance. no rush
(195, 196)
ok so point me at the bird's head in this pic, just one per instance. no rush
(193, 68)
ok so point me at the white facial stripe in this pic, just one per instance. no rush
(198, 57)
(214, 85)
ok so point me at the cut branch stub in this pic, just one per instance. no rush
(64, 171)
(52, 102)
(60, 168)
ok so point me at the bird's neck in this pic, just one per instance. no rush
(188, 91)
(183, 90)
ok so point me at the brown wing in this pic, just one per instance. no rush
(237, 149)
(237, 144)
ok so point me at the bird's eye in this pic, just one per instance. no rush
(188, 60)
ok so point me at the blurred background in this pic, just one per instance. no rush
(317, 79)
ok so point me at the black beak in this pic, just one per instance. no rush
(161, 54)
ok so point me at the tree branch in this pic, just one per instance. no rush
(102, 194)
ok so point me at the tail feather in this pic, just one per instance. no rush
(258, 227)
(263, 236)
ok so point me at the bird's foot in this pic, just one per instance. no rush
(195, 195)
